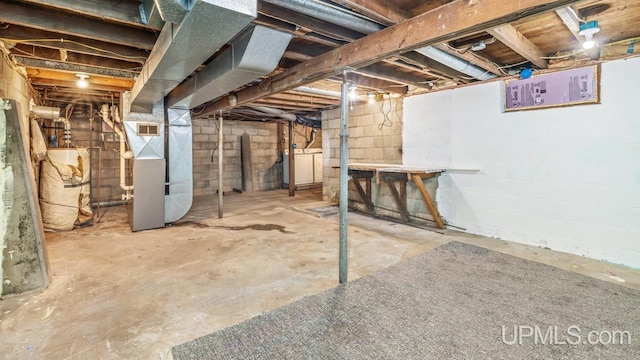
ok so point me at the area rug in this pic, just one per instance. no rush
(457, 301)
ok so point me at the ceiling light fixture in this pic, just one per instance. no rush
(353, 91)
(82, 83)
(588, 30)
(371, 95)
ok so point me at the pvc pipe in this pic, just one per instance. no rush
(220, 168)
(123, 183)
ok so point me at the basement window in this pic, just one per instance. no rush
(148, 129)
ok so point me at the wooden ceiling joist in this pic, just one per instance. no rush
(453, 20)
(72, 68)
(125, 12)
(511, 37)
(53, 40)
(380, 10)
(76, 25)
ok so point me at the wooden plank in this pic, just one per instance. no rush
(453, 20)
(121, 11)
(364, 196)
(509, 35)
(93, 85)
(428, 201)
(77, 25)
(53, 75)
(74, 68)
(70, 57)
(247, 162)
(292, 163)
(54, 40)
(383, 11)
(402, 206)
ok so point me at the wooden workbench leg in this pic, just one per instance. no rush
(402, 206)
(427, 200)
(365, 197)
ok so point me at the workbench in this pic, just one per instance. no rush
(391, 174)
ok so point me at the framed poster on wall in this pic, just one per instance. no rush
(562, 88)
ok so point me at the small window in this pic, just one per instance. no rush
(148, 129)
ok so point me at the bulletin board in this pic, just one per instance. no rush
(562, 88)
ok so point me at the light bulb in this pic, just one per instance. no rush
(82, 83)
(589, 43)
(352, 93)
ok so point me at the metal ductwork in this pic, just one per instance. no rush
(330, 14)
(354, 22)
(182, 47)
(178, 201)
(172, 10)
(254, 53)
(455, 63)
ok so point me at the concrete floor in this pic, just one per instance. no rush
(117, 294)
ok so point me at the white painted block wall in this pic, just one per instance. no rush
(563, 178)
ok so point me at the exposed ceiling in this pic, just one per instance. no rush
(53, 40)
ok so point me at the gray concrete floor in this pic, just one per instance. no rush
(117, 294)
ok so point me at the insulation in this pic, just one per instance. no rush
(65, 192)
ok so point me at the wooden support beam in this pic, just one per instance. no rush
(54, 40)
(292, 163)
(453, 20)
(394, 15)
(74, 68)
(125, 12)
(512, 38)
(67, 76)
(417, 179)
(93, 85)
(401, 202)
(364, 196)
(73, 24)
(70, 57)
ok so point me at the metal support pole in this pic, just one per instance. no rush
(344, 176)
(220, 172)
(292, 163)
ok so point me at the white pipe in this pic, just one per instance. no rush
(123, 183)
(455, 63)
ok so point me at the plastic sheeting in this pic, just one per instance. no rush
(38, 143)
(65, 192)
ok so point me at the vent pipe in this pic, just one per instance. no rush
(455, 63)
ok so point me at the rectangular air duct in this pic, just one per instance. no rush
(182, 47)
(254, 53)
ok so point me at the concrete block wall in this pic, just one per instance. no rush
(266, 166)
(563, 178)
(375, 136)
(14, 86)
(301, 136)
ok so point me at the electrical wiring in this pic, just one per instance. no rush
(386, 121)
(62, 40)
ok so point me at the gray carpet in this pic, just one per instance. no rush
(449, 303)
